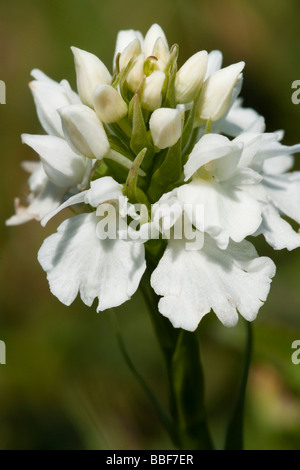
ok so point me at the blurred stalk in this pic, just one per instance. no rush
(235, 433)
(163, 416)
(185, 376)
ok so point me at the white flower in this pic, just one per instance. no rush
(279, 191)
(57, 174)
(193, 283)
(78, 261)
(49, 96)
(219, 183)
(63, 167)
(44, 196)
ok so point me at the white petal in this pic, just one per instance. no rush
(209, 148)
(151, 37)
(229, 212)
(241, 119)
(133, 49)
(152, 91)
(48, 96)
(124, 38)
(90, 72)
(258, 147)
(278, 165)
(38, 177)
(30, 166)
(108, 104)
(284, 192)
(45, 202)
(214, 62)
(83, 131)
(77, 261)
(277, 232)
(217, 92)
(194, 282)
(76, 199)
(190, 77)
(63, 167)
(165, 126)
(103, 190)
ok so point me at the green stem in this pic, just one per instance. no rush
(164, 418)
(235, 432)
(185, 377)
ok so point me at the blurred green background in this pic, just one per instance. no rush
(65, 385)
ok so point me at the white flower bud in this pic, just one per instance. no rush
(83, 131)
(134, 48)
(136, 73)
(151, 37)
(165, 126)
(109, 105)
(124, 38)
(161, 50)
(217, 91)
(152, 96)
(90, 73)
(190, 77)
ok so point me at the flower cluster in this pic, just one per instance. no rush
(156, 141)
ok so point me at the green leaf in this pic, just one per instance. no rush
(189, 124)
(168, 90)
(126, 93)
(140, 138)
(116, 170)
(117, 145)
(170, 99)
(131, 189)
(116, 76)
(234, 437)
(168, 174)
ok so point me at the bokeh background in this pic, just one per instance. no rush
(66, 385)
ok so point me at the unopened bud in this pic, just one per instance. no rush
(109, 105)
(151, 37)
(136, 73)
(161, 50)
(134, 48)
(90, 73)
(217, 91)
(83, 131)
(190, 77)
(165, 126)
(152, 91)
